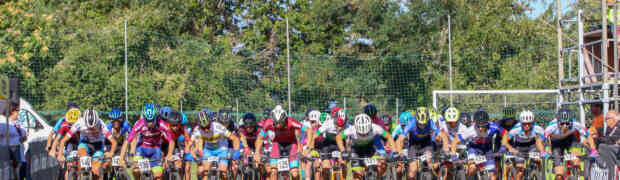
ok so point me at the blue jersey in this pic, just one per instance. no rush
(125, 129)
(481, 140)
(416, 133)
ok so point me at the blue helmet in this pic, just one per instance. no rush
(405, 117)
(149, 112)
(165, 112)
(115, 114)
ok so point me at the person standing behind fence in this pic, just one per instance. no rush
(16, 138)
(609, 143)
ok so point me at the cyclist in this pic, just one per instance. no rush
(565, 134)
(92, 132)
(422, 133)
(118, 129)
(364, 139)
(324, 140)
(181, 137)
(340, 116)
(151, 130)
(53, 135)
(402, 122)
(479, 142)
(453, 128)
(280, 133)
(248, 133)
(525, 137)
(71, 117)
(211, 140)
(314, 119)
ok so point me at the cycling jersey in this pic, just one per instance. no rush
(363, 140)
(250, 137)
(482, 141)
(150, 137)
(284, 134)
(86, 134)
(453, 132)
(217, 136)
(119, 135)
(521, 139)
(415, 133)
(58, 124)
(379, 121)
(64, 129)
(554, 128)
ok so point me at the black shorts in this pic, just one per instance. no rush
(417, 148)
(559, 149)
(362, 152)
(524, 150)
(327, 146)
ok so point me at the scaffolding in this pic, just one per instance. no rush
(596, 80)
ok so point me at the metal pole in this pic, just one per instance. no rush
(345, 104)
(288, 67)
(614, 30)
(126, 77)
(582, 115)
(237, 108)
(559, 33)
(396, 106)
(604, 54)
(450, 55)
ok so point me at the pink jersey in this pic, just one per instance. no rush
(284, 134)
(150, 137)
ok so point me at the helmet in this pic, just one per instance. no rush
(72, 115)
(314, 115)
(421, 115)
(224, 116)
(72, 105)
(325, 117)
(404, 118)
(249, 119)
(278, 114)
(451, 114)
(340, 115)
(370, 110)
(362, 124)
(115, 114)
(509, 112)
(149, 112)
(164, 112)
(204, 119)
(175, 117)
(564, 115)
(526, 116)
(387, 120)
(266, 113)
(432, 113)
(91, 118)
(481, 118)
(185, 119)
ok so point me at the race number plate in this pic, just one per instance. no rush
(85, 162)
(175, 157)
(425, 157)
(569, 157)
(115, 161)
(336, 154)
(480, 159)
(471, 157)
(370, 161)
(461, 146)
(144, 165)
(405, 151)
(283, 164)
(73, 154)
(213, 159)
(534, 155)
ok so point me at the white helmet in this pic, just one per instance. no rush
(91, 118)
(526, 116)
(452, 114)
(278, 114)
(362, 124)
(314, 115)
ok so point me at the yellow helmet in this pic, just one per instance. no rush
(72, 115)
(422, 115)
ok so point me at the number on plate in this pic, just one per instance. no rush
(425, 157)
(405, 151)
(534, 155)
(370, 161)
(85, 162)
(73, 154)
(283, 164)
(213, 159)
(115, 161)
(480, 159)
(144, 165)
(569, 157)
(336, 154)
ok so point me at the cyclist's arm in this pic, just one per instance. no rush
(62, 145)
(340, 141)
(114, 144)
(243, 140)
(259, 142)
(50, 139)
(235, 140)
(400, 141)
(505, 139)
(444, 141)
(310, 138)
(390, 141)
(55, 144)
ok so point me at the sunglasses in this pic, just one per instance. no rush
(526, 124)
(565, 123)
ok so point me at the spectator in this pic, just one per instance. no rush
(609, 142)
(597, 121)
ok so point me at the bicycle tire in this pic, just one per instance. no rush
(512, 174)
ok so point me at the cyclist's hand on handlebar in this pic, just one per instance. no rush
(108, 154)
(61, 158)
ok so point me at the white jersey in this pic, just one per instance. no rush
(454, 132)
(215, 138)
(359, 140)
(328, 127)
(554, 128)
(95, 135)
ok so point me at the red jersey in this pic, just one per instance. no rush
(285, 133)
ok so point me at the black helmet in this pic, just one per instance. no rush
(564, 115)
(370, 110)
(266, 113)
(465, 118)
(175, 117)
(249, 119)
(481, 118)
(224, 116)
(387, 120)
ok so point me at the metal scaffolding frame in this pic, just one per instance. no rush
(604, 80)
